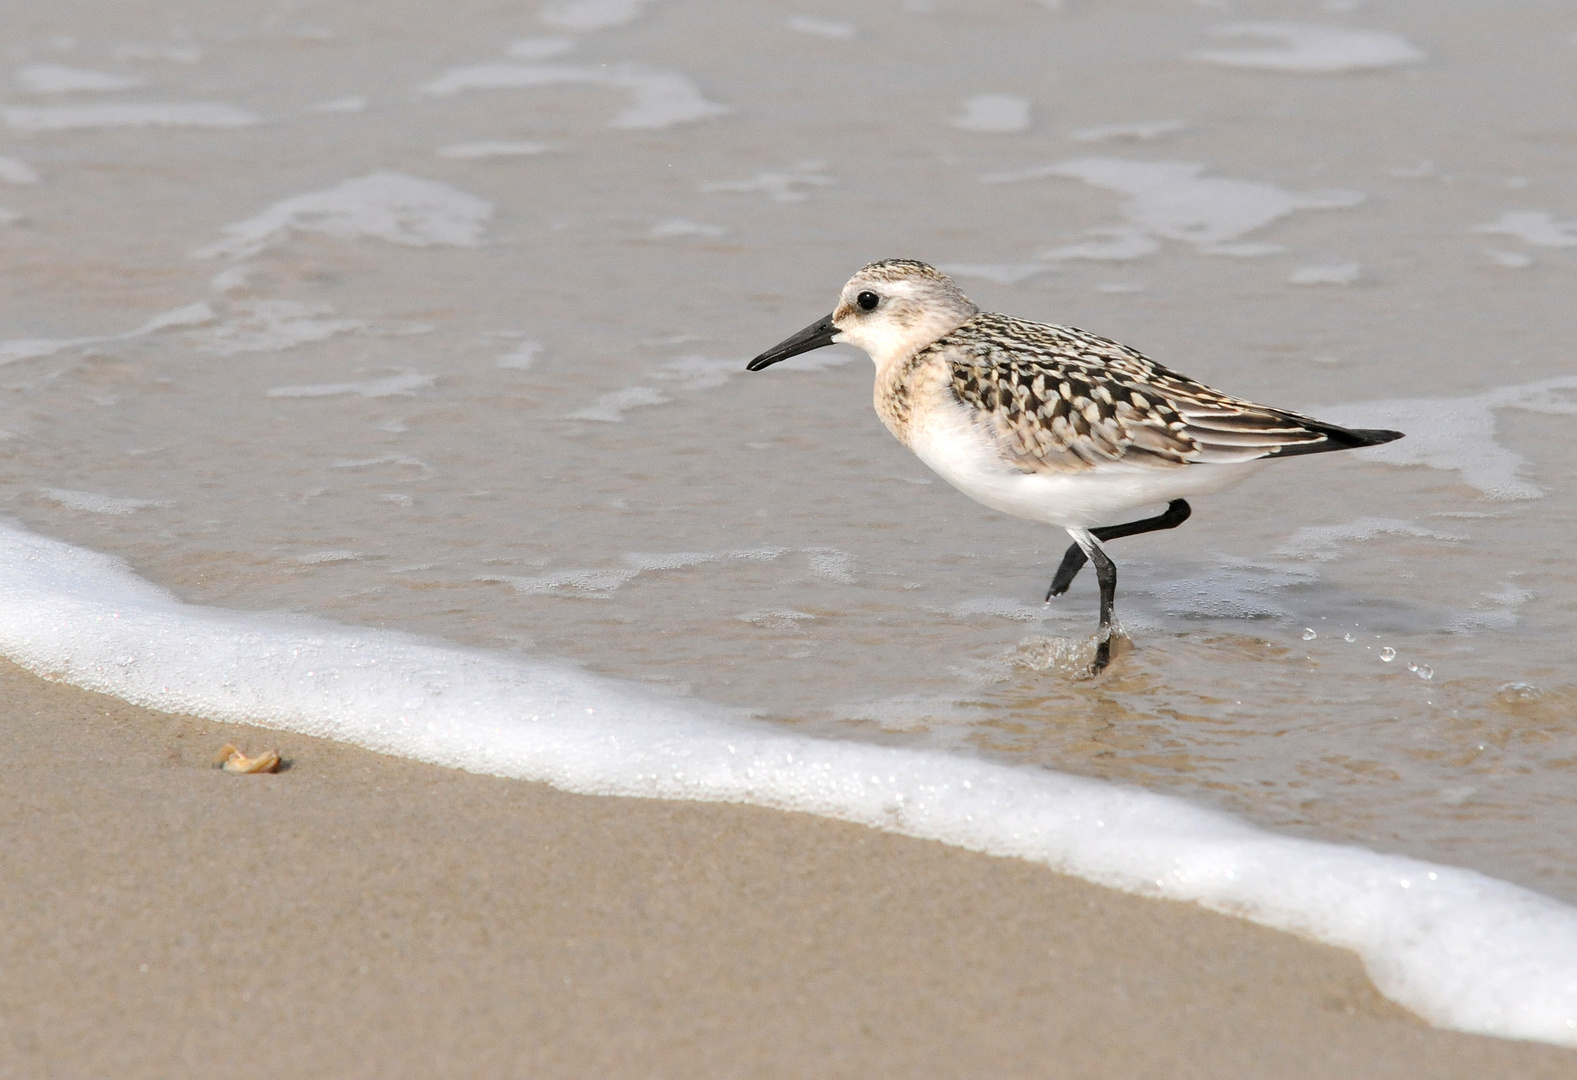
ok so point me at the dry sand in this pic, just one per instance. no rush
(365, 916)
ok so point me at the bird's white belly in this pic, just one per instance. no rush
(965, 456)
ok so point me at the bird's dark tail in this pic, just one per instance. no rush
(1337, 438)
(1366, 436)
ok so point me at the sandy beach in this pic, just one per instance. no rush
(364, 916)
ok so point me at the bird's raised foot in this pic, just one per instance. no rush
(1073, 561)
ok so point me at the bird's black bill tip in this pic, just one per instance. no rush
(816, 336)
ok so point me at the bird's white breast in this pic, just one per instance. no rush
(943, 435)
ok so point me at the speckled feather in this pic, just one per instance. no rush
(1057, 399)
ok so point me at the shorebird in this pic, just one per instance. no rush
(1051, 423)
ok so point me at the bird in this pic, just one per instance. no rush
(1051, 423)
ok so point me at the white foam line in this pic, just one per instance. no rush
(1461, 949)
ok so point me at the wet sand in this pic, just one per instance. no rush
(365, 916)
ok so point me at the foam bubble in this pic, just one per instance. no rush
(775, 618)
(591, 14)
(403, 384)
(200, 114)
(319, 558)
(825, 28)
(59, 79)
(1309, 48)
(997, 113)
(595, 584)
(661, 98)
(384, 206)
(831, 564)
(1460, 949)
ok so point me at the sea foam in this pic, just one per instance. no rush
(1458, 434)
(1167, 200)
(1170, 199)
(1536, 227)
(1459, 948)
(1311, 48)
(659, 98)
(189, 315)
(384, 206)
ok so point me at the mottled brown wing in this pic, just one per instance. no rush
(1056, 399)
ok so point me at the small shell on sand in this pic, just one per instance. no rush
(232, 760)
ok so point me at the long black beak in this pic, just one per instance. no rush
(816, 336)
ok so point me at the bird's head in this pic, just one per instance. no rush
(891, 309)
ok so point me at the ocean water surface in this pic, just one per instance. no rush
(432, 319)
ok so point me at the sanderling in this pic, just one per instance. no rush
(1051, 423)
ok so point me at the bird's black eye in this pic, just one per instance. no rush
(867, 301)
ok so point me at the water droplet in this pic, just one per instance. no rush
(1425, 671)
(1309, 635)
(1387, 654)
(1348, 637)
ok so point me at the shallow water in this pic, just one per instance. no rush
(459, 300)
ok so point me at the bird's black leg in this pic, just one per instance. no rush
(1073, 560)
(1106, 574)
